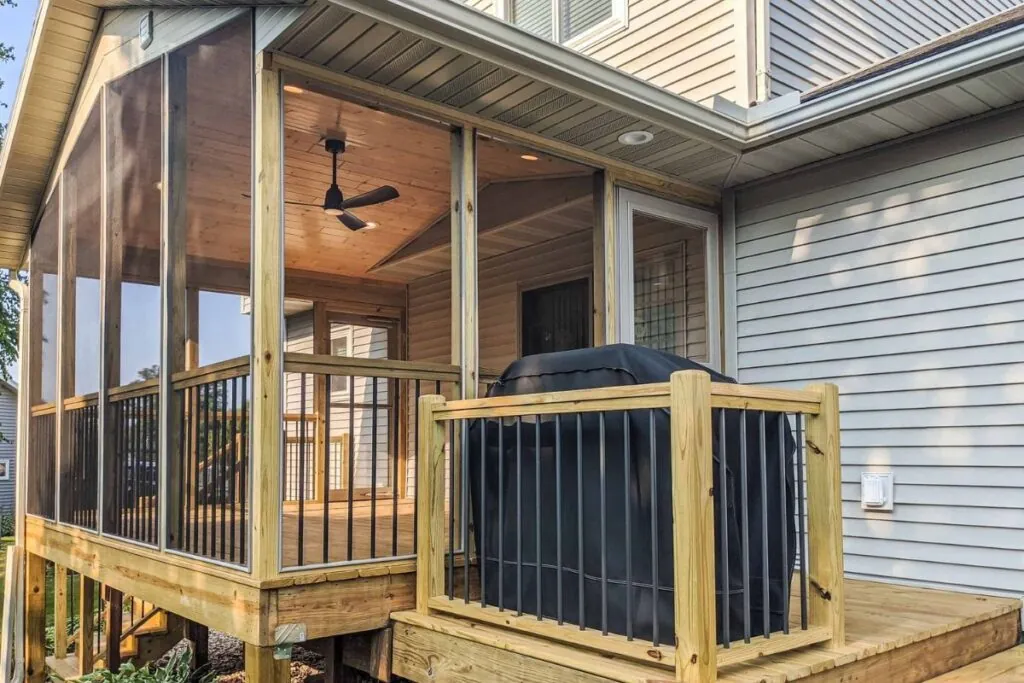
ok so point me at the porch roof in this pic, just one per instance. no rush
(449, 61)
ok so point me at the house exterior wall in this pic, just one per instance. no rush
(812, 42)
(686, 46)
(898, 275)
(8, 423)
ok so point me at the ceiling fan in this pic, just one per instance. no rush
(335, 204)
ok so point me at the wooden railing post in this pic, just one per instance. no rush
(430, 502)
(825, 517)
(693, 526)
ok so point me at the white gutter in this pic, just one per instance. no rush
(452, 23)
(973, 58)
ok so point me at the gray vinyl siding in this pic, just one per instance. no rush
(812, 42)
(899, 275)
(8, 423)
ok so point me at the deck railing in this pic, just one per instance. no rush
(209, 466)
(132, 453)
(42, 482)
(349, 457)
(80, 464)
(682, 527)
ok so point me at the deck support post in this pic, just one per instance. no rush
(199, 636)
(606, 316)
(430, 495)
(465, 327)
(60, 611)
(115, 602)
(35, 618)
(86, 602)
(261, 666)
(693, 526)
(825, 517)
(267, 299)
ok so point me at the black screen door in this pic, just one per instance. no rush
(556, 318)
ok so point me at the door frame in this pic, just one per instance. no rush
(630, 201)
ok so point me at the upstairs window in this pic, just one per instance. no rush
(575, 23)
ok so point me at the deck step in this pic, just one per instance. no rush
(1004, 667)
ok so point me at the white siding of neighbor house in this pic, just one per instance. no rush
(8, 422)
(812, 42)
(899, 275)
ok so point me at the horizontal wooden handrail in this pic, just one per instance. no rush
(325, 364)
(631, 397)
(134, 390)
(44, 409)
(228, 369)
(77, 402)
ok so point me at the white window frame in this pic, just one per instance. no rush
(630, 201)
(347, 336)
(618, 21)
(6, 476)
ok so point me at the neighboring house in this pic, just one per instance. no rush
(8, 430)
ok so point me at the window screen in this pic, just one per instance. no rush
(579, 16)
(659, 299)
(534, 16)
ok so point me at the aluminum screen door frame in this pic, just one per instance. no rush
(628, 204)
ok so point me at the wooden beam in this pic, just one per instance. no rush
(501, 205)
(369, 652)
(65, 342)
(693, 526)
(321, 345)
(463, 239)
(267, 291)
(825, 517)
(35, 618)
(430, 497)
(112, 634)
(261, 666)
(603, 195)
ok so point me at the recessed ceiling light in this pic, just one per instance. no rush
(294, 89)
(370, 225)
(636, 137)
(528, 157)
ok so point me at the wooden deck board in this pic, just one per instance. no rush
(894, 633)
(1005, 667)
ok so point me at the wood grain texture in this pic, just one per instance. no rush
(430, 501)
(35, 618)
(60, 611)
(825, 516)
(693, 526)
(1005, 667)
(262, 667)
(86, 625)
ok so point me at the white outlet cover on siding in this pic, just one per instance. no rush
(876, 490)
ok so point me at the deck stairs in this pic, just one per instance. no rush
(1004, 667)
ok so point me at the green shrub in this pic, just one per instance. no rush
(6, 524)
(176, 670)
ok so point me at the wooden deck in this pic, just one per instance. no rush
(895, 634)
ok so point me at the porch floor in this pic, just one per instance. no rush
(894, 633)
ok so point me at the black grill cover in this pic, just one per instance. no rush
(610, 551)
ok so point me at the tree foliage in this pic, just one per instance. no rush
(10, 305)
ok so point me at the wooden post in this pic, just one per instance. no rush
(199, 636)
(430, 499)
(174, 304)
(65, 343)
(60, 611)
(83, 649)
(114, 613)
(825, 517)
(693, 526)
(262, 667)
(465, 332)
(605, 252)
(267, 298)
(35, 618)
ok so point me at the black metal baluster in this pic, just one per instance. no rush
(765, 594)
(327, 469)
(233, 460)
(218, 468)
(451, 510)
(536, 515)
(558, 513)
(800, 519)
(783, 424)
(199, 437)
(394, 424)
(302, 470)
(519, 515)
(627, 479)
(416, 463)
(373, 470)
(481, 527)
(654, 525)
(745, 526)
(579, 520)
(723, 508)
(501, 514)
(244, 476)
(604, 523)
(464, 498)
(205, 397)
(183, 448)
(351, 485)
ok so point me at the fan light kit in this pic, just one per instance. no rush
(636, 137)
(528, 157)
(294, 89)
(335, 203)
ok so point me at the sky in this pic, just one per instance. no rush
(15, 30)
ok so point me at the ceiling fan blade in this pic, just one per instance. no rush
(352, 222)
(308, 204)
(382, 194)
